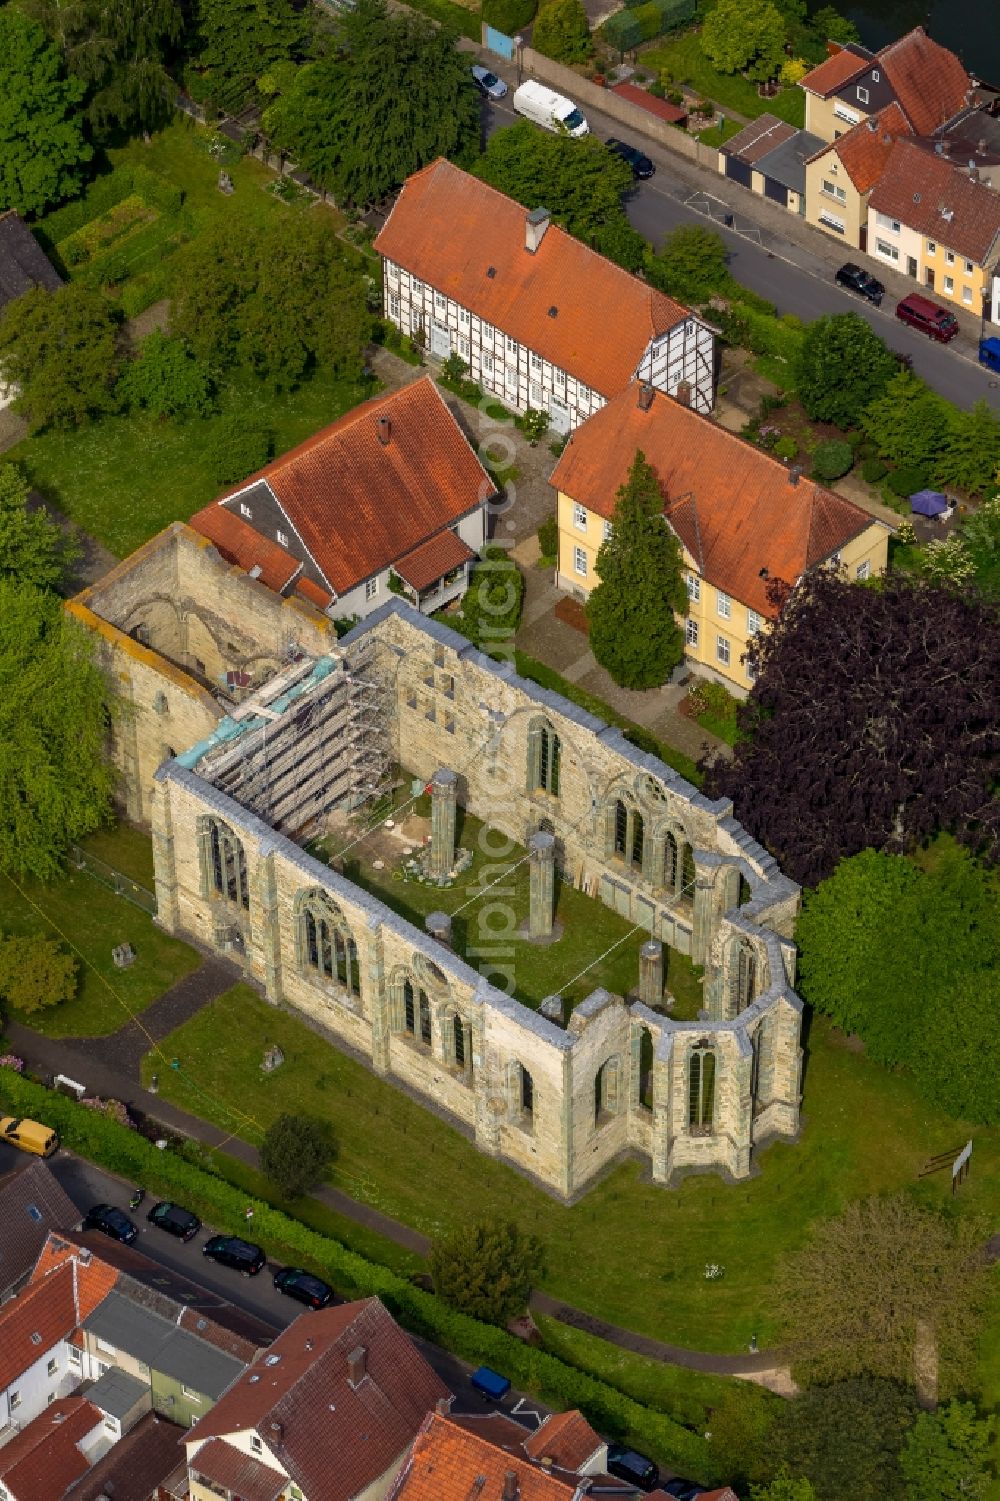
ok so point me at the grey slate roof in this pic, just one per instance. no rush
(167, 1350)
(31, 1204)
(116, 1392)
(786, 164)
(23, 262)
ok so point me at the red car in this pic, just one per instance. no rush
(920, 312)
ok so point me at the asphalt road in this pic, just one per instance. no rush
(786, 274)
(87, 1185)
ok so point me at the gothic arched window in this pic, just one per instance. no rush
(701, 1090)
(225, 862)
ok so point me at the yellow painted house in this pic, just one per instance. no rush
(747, 524)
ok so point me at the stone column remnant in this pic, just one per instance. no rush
(651, 973)
(444, 790)
(541, 889)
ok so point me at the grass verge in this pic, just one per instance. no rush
(682, 57)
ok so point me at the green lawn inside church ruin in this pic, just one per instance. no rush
(630, 1252)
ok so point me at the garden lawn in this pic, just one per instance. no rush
(88, 917)
(629, 1252)
(682, 57)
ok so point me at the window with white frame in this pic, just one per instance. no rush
(932, 247)
(862, 95)
(583, 393)
(723, 604)
(393, 306)
(463, 346)
(693, 586)
(607, 530)
(511, 346)
(887, 251)
(949, 257)
(876, 75)
(967, 294)
(440, 301)
(74, 1355)
(863, 569)
(832, 222)
(722, 649)
(579, 516)
(15, 1400)
(835, 560)
(754, 622)
(52, 1367)
(949, 284)
(885, 221)
(535, 395)
(463, 316)
(486, 329)
(371, 589)
(191, 1396)
(416, 287)
(256, 1444)
(102, 1344)
(967, 267)
(559, 379)
(536, 361)
(487, 359)
(751, 672)
(580, 562)
(392, 270)
(282, 537)
(245, 510)
(842, 112)
(691, 632)
(834, 190)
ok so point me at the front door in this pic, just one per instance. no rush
(558, 416)
(440, 341)
(929, 278)
(911, 266)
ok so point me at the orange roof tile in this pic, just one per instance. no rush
(241, 543)
(672, 113)
(34, 1322)
(935, 197)
(43, 1461)
(313, 594)
(449, 229)
(356, 503)
(95, 1278)
(865, 148)
(731, 504)
(834, 71)
(432, 560)
(928, 80)
(448, 1463)
(566, 1438)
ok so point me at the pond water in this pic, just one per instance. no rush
(971, 28)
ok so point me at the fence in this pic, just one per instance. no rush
(120, 884)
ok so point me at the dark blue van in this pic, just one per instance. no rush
(490, 1383)
(989, 354)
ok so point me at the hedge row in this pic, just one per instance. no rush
(645, 20)
(761, 332)
(105, 194)
(127, 1153)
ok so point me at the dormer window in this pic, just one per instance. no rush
(282, 537)
(876, 75)
(245, 510)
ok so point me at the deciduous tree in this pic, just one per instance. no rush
(55, 706)
(580, 182)
(691, 263)
(43, 152)
(35, 972)
(946, 1456)
(877, 1283)
(486, 1270)
(908, 423)
(970, 453)
(296, 1153)
(240, 40)
(846, 1438)
(633, 610)
(395, 95)
(60, 350)
(744, 36)
(874, 722)
(561, 31)
(843, 367)
(784, 1487)
(167, 379)
(33, 549)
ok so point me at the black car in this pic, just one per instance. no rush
(626, 1464)
(641, 165)
(230, 1251)
(857, 279)
(303, 1287)
(112, 1221)
(175, 1220)
(684, 1490)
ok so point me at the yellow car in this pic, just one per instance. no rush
(30, 1136)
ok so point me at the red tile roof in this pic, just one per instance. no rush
(93, 1278)
(449, 229)
(311, 592)
(134, 1466)
(865, 149)
(240, 543)
(928, 80)
(359, 504)
(30, 1186)
(432, 560)
(249, 1478)
(566, 1438)
(34, 1323)
(833, 72)
(334, 1438)
(939, 200)
(732, 505)
(758, 138)
(448, 1463)
(43, 1461)
(672, 113)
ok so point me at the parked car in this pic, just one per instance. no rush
(175, 1220)
(241, 1255)
(549, 109)
(857, 279)
(112, 1221)
(989, 354)
(488, 83)
(303, 1287)
(626, 1464)
(490, 1383)
(28, 1136)
(640, 163)
(683, 1490)
(920, 312)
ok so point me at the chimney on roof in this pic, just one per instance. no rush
(511, 1489)
(973, 172)
(683, 393)
(357, 1366)
(443, 1406)
(277, 1432)
(946, 148)
(384, 427)
(795, 474)
(981, 146)
(646, 394)
(535, 225)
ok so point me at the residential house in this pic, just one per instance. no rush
(540, 319)
(769, 157)
(327, 1414)
(23, 265)
(136, 1466)
(390, 497)
(840, 177)
(927, 81)
(53, 1451)
(745, 522)
(936, 221)
(31, 1204)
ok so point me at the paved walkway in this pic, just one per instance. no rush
(109, 1066)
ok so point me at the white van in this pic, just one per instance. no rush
(553, 111)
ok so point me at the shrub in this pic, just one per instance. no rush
(786, 448)
(548, 536)
(874, 470)
(907, 480)
(36, 972)
(831, 460)
(486, 1270)
(509, 16)
(496, 592)
(296, 1153)
(239, 449)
